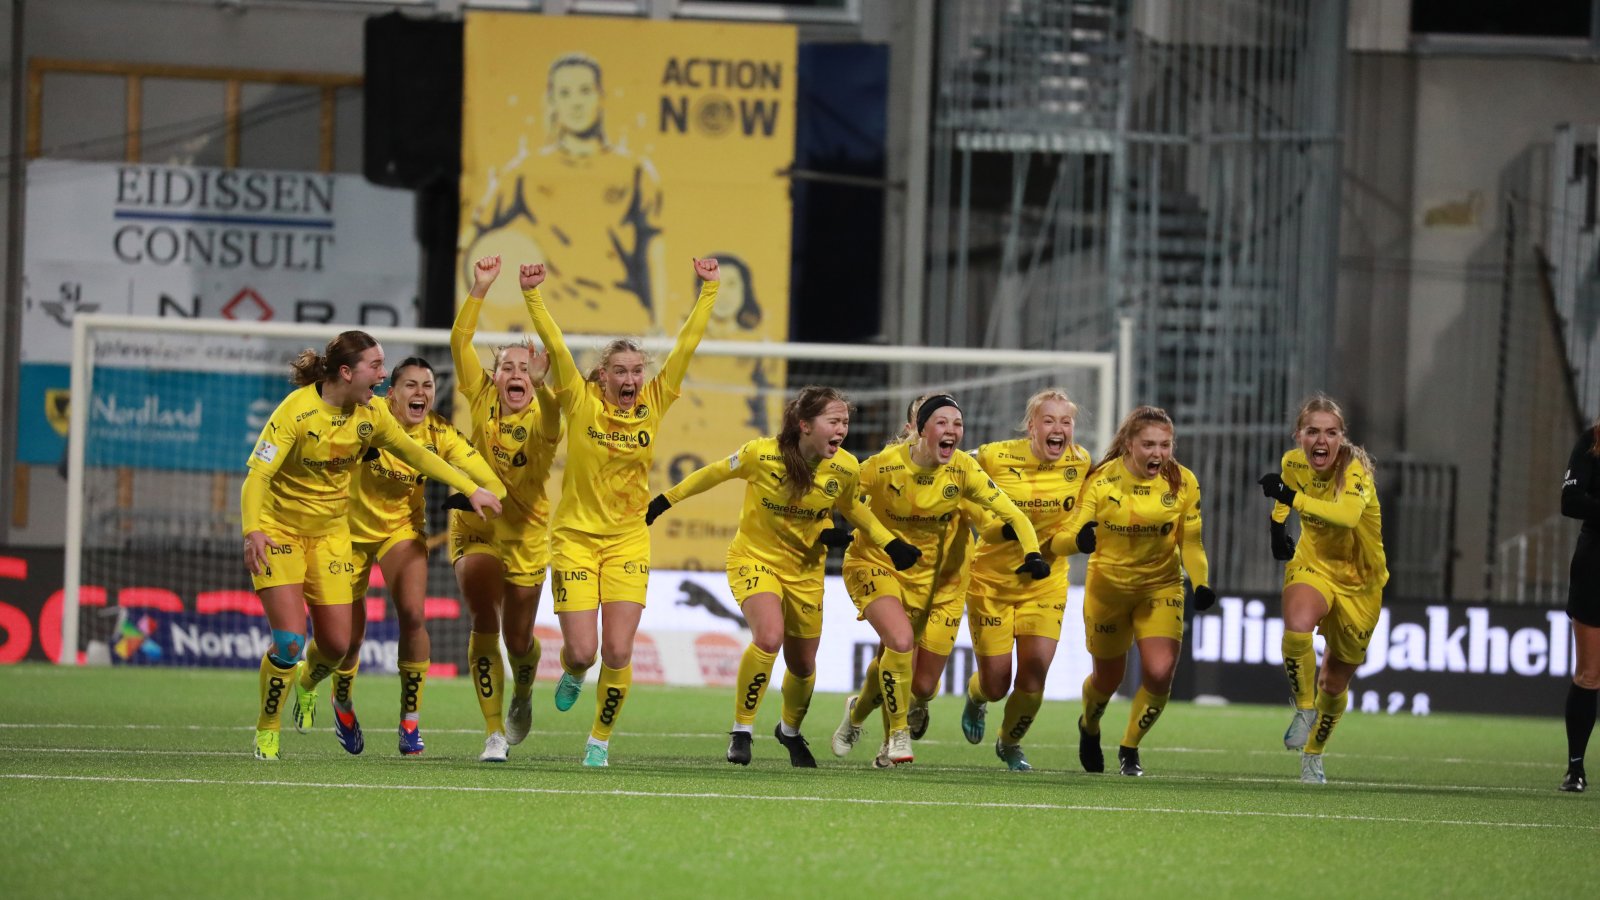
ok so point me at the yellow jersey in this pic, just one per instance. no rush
(1341, 532)
(775, 528)
(520, 446)
(387, 493)
(1148, 535)
(1044, 491)
(605, 485)
(301, 466)
(924, 507)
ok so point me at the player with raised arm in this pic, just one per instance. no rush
(1580, 499)
(386, 530)
(600, 543)
(775, 563)
(1138, 515)
(916, 489)
(1334, 579)
(501, 566)
(294, 511)
(1042, 474)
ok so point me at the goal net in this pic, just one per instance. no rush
(164, 413)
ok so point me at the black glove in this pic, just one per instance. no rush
(1204, 598)
(1034, 564)
(1273, 487)
(1086, 537)
(1282, 544)
(1007, 532)
(904, 555)
(835, 537)
(458, 501)
(371, 455)
(658, 505)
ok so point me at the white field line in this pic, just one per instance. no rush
(851, 801)
(719, 735)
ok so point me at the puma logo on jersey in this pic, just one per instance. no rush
(897, 489)
(780, 477)
(1015, 472)
(313, 434)
(1115, 499)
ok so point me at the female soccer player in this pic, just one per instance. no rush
(294, 509)
(1041, 473)
(601, 546)
(1335, 576)
(501, 566)
(1580, 499)
(776, 559)
(1148, 507)
(917, 488)
(386, 529)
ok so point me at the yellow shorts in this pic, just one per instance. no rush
(1347, 628)
(323, 564)
(801, 595)
(591, 569)
(365, 555)
(934, 611)
(996, 618)
(525, 559)
(1115, 616)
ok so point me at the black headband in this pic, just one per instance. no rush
(932, 405)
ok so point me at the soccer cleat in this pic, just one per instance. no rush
(348, 733)
(917, 719)
(1311, 769)
(410, 741)
(1574, 783)
(1299, 729)
(739, 747)
(799, 751)
(898, 746)
(882, 760)
(972, 716)
(567, 691)
(1090, 756)
(596, 756)
(267, 746)
(848, 733)
(305, 702)
(1011, 755)
(519, 719)
(494, 748)
(1128, 762)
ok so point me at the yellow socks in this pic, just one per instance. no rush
(487, 671)
(608, 700)
(871, 694)
(344, 687)
(1146, 710)
(413, 678)
(894, 674)
(1330, 708)
(318, 667)
(1300, 664)
(1094, 705)
(797, 698)
(755, 671)
(524, 668)
(975, 689)
(1021, 709)
(274, 684)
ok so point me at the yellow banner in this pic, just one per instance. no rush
(615, 151)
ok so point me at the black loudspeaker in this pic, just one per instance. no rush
(412, 118)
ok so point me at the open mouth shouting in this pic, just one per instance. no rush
(626, 395)
(946, 447)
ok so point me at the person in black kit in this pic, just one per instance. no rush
(1580, 499)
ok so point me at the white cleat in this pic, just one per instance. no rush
(1311, 769)
(494, 748)
(1299, 729)
(899, 747)
(848, 733)
(519, 719)
(882, 760)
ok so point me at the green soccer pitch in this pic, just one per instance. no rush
(140, 782)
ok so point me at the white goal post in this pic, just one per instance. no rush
(892, 375)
